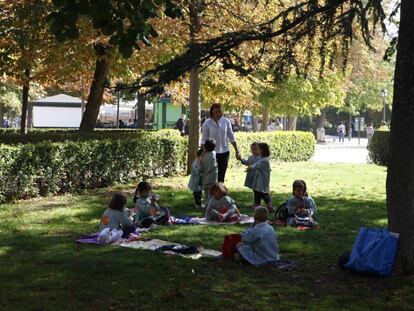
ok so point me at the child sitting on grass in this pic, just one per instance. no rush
(195, 182)
(115, 221)
(220, 206)
(260, 171)
(258, 244)
(300, 205)
(148, 211)
(208, 168)
(254, 157)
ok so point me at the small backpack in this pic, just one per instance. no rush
(282, 212)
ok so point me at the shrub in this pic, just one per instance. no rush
(379, 148)
(284, 146)
(60, 161)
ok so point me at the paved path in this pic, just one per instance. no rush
(347, 152)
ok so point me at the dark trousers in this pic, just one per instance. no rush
(197, 197)
(222, 162)
(127, 230)
(258, 196)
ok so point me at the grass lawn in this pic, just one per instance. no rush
(41, 268)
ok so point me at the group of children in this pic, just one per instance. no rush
(258, 244)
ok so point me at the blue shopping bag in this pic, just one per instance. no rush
(374, 251)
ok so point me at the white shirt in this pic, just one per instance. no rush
(220, 131)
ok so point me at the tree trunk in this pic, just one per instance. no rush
(141, 112)
(97, 89)
(1, 115)
(320, 122)
(196, 7)
(400, 177)
(265, 119)
(194, 122)
(255, 124)
(292, 121)
(29, 115)
(25, 102)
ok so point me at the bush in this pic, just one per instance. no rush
(284, 146)
(379, 148)
(48, 168)
(60, 161)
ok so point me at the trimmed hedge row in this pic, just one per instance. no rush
(51, 168)
(379, 148)
(46, 167)
(284, 146)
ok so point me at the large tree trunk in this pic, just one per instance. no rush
(292, 121)
(196, 8)
(400, 178)
(265, 119)
(320, 122)
(255, 124)
(96, 92)
(141, 112)
(25, 102)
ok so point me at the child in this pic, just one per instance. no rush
(261, 177)
(300, 203)
(195, 180)
(258, 244)
(254, 157)
(115, 221)
(148, 211)
(220, 206)
(208, 168)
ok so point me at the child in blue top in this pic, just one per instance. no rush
(148, 211)
(195, 182)
(115, 221)
(300, 202)
(258, 244)
(220, 207)
(253, 158)
(261, 177)
(209, 168)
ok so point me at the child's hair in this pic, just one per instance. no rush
(261, 214)
(199, 152)
(118, 201)
(143, 185)
(254, 144)
(264, 147)
(210, 145)
(220, 187)
(299, 184)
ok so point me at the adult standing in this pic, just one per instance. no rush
(219, 128)
(180, 124)
(370, 132)
(341, 132)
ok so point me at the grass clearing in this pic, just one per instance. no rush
(42, 268)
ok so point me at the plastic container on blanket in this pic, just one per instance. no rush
(374, 251)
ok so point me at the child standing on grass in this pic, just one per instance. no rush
(300, 203)
(260, 171)
(115, 221)
(208, 168)
(258, 244)
(195, 180)
(220, 206)
(148, 211)
(254, 157)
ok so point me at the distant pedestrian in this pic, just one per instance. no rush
(370, 132)
(341, 132)
(180, 124)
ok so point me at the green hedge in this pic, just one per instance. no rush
(66, 161)
(47, 168)
(284, 146)
(379, 148)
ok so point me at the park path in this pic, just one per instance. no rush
(347, 152)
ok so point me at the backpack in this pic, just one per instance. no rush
(282, 213)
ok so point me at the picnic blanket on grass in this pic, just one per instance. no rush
(188, 220)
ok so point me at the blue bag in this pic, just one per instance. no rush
(374, 251)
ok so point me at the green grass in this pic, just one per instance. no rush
(41, 268)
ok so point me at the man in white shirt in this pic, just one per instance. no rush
(219, 128)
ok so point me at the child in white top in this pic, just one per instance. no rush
(220, 206)
(253, 158)
(195, 182)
